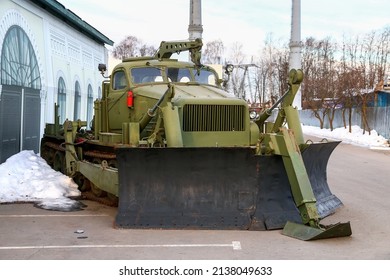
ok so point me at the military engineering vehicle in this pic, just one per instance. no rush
(174, 150)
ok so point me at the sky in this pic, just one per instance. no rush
(26, 177)
(249, 22)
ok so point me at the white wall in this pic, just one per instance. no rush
(60, 51)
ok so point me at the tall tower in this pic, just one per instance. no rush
(295, 45)
(195, 28)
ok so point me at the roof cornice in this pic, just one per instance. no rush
(58, 10)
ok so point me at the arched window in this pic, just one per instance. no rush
(20, 100)
(77, 101)
(61, 100)
(89, 106)
(19, 66)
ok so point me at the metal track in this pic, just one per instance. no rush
(102, 200)
(93, 156)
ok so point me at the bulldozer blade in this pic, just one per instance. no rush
(307, 233)
(315, 158)
(210, 188)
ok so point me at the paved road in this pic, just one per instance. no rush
(359, 176)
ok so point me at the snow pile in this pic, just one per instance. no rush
(26, 177)
(356, 137)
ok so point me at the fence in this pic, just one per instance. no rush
(378, 119)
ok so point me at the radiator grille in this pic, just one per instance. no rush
(199, 117)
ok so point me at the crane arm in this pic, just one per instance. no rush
(167, 48)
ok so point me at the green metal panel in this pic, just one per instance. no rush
(102, 176)
(299, 180)
(172, 129)
(134, 134)
(294, 124)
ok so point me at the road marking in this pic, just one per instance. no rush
(56, 215)
(236, 245)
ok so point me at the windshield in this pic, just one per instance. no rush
(143, 75)
(181, 75)
(146, 75)
(205, 76)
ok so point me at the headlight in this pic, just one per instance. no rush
(229, 69)
(253, 115)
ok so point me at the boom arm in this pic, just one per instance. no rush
(167, 48)
(287, 111)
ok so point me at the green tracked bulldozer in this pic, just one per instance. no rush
(172, 149)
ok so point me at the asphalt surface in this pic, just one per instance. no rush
(359, 176)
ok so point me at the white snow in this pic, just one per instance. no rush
(356, 137)
(26, 177)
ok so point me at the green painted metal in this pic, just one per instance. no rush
(130, 134)
(173, 130)
(303, 195)
(166, 49)
(134, 137)
(209, 121)
(155, 107)
(284, 144)
(294, 124)
(307, 233)
(101, 175)
(70, 152)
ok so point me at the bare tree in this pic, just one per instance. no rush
(131, 46)
(261, 81)
(362, 68)
(128, 47)
(348, 77)
(146, 50)
(237, 77)
(282, 69)
(347, 88)
(272, 71)
(320, 90)
(213, 52)
(383, 49)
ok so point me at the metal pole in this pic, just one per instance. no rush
(195, 28)
(295, 46)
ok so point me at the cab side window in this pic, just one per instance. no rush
(119, 80)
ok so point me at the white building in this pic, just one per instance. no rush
(48, 56)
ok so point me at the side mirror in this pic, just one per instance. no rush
(102, 68)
